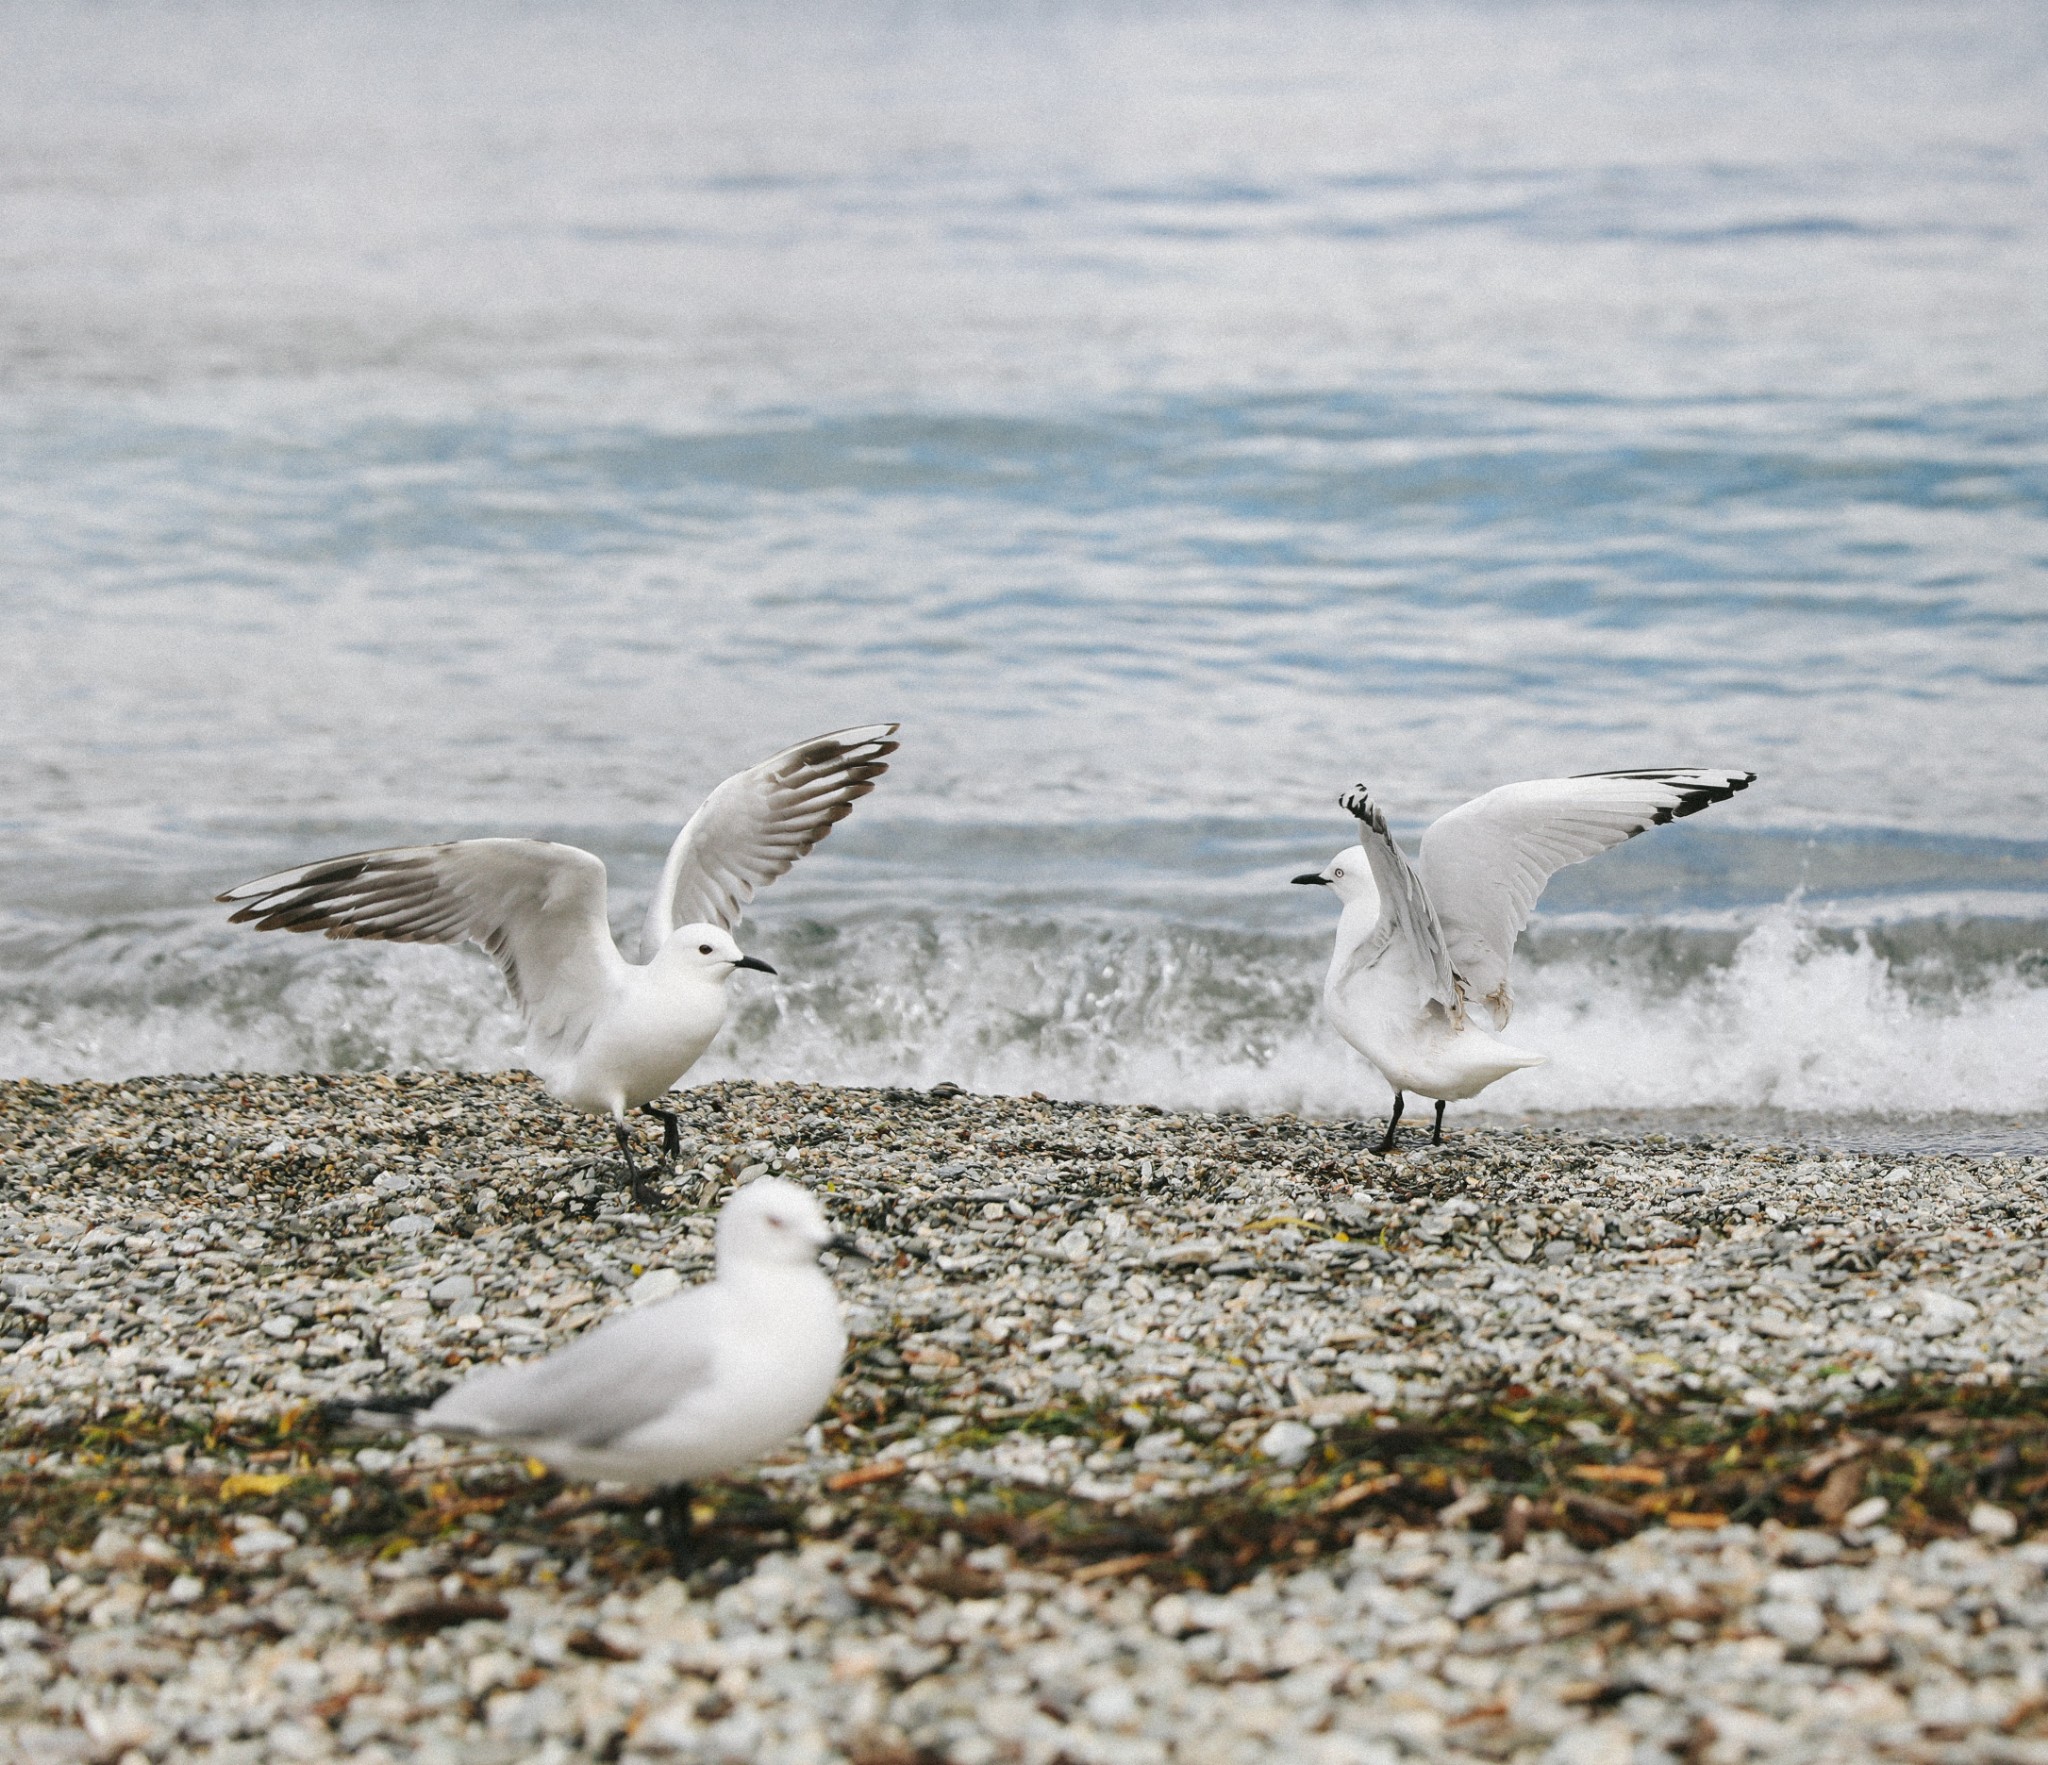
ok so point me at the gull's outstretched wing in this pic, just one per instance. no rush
(1484, 864)
(760, 822)
(614, 1379)
(537, 907)
(1407, 924)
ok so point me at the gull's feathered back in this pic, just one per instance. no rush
(1485, 863)
(758, 823)
(577, 1396)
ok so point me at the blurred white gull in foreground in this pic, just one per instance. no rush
(1417, 944)
(603, 1034)
(681, 1388)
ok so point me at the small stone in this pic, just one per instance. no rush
(1110, 1704)
(1560, 1250)
(30, 1589)
(450, 1290)
(1798, 1624)
(1866, 1514)
(262, 1541)
(1170, 1615)
(1287, 1443)
(1993, 1523)
(1811, 1548)
(279, 1327)
(1942, 1314)
(410, 1225)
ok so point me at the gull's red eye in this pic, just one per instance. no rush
(703, 949)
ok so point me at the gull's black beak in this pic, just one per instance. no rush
(1324, 880)
(840, 1242)
(755, 963)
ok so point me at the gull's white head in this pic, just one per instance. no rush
(772, 1221)
(1347, 876)
(708, 952)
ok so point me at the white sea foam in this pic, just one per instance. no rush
(1793, 1019)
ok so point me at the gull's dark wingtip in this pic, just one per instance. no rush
(1357, 802)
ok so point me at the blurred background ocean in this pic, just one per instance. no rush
(432, 419)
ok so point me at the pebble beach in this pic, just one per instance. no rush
(1162, 1438)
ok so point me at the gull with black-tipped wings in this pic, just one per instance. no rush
(1423, 948)
(603, 1034)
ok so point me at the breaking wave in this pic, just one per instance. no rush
(1785, 1013)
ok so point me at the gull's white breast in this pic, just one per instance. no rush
(651, 1029)
(1380, 1009)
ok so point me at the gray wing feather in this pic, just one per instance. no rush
(758, 823)
(1405, 910)
(538, 908)
(614, 1379)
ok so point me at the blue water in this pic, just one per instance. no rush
(435, 420)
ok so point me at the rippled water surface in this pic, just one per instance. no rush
(434, 420)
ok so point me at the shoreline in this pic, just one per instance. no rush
(1107, 1358)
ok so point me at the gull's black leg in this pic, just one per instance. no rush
(1393, 1121)
(677, 1528)
(1436, 1137)
(642, 1195)
(671, 1132)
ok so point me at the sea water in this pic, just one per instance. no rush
(435, 420)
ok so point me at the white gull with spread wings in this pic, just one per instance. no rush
(603, 1034)
(1421, 946)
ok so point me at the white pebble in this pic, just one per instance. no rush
(450, 1290)
(1993, 1523)
(1796, 1623)
(1287, 1443)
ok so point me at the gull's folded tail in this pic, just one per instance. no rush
(388, 1414)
